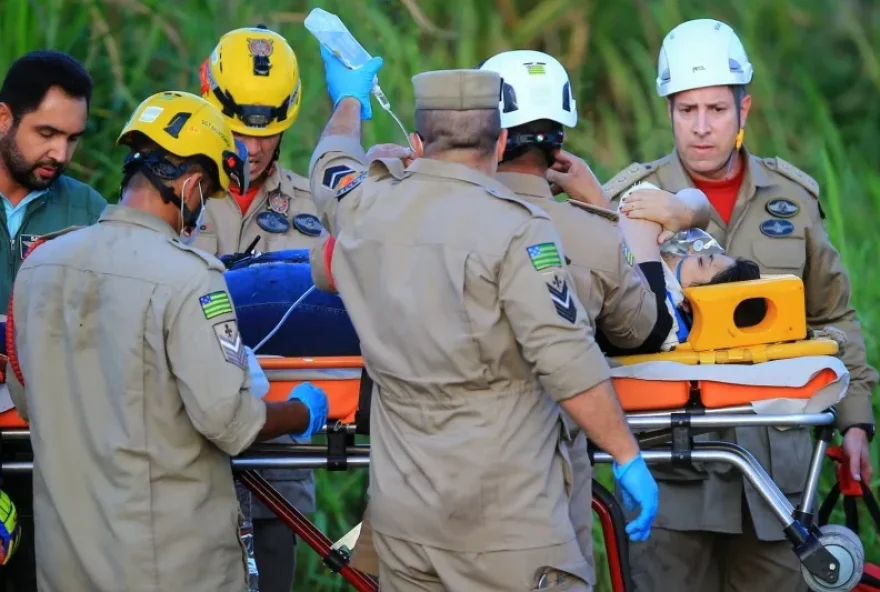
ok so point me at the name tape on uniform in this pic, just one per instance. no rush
(230, 343)
(215, 304)
(350, 185)
(544, 256)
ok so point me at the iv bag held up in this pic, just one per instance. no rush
(329, 30)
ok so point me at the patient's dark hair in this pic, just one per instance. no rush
(750, 312)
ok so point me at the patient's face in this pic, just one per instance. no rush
(700, 269)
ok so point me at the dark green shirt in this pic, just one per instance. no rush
(67, 202)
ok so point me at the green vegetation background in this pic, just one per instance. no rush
(817, 75)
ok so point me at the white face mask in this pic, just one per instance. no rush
(185, 238)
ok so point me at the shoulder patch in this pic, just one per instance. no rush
(632, 174)
(215, 304)
(210, 260)
(349, 185)
(230, 343)
(544, 256)
(590, 208)
(337, 176)
(793, 173)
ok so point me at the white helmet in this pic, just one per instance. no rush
(701, 53)
(534, 86)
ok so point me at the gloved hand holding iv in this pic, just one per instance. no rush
(357, 83)
(639, 489)
(316, 401)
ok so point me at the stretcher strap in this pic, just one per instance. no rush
(10, 323)
(365, 396)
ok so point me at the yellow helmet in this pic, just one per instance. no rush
(185, 126)
(252, 77)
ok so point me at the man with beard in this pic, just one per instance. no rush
(44, 105)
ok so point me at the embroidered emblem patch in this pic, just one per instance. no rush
(776, 228)
(337, 176)
(350, 185)
(278, 202)
(231, 344)
(215, 304)
(562, 300)
(782, 208)
(544, 256)
(308, 224)
(272, 222)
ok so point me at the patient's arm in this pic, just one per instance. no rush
(640, 237)
(689, 208)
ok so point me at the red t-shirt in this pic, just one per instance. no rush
(722, 194)
(244, 201)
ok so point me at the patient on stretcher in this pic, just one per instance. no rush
(692, 257)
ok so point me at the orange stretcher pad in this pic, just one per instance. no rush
(797, 384)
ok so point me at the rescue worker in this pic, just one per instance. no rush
(253, 78)
(476, 342)
(536, 102)
(713, 531)
(44, 105)
(148, 393)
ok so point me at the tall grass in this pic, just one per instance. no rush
(817, 76)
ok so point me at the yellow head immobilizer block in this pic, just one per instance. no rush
(713, 313)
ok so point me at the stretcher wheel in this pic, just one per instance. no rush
(846, 547)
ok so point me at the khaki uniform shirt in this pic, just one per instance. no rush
(467, 321)
(776, 222)
(137, 395)
(615, 294)
(226, 231)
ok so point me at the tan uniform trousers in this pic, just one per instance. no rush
(498, 571)
(714, 562)
(364, 557)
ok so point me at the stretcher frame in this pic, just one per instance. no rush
(665, 437)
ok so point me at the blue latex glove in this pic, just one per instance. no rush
(259, 382)
(639, 489)
(342, 82)
(315, 399)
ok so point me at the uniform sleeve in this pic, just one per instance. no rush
(320, 262)
(547, 318)
(210, 364)
(634, 316)
(337, 167)
(828, 294)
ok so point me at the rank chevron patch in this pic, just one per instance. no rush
(562, 300)
(231, 344)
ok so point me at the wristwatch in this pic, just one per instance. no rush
(868, 427)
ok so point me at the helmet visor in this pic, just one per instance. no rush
(235, 164)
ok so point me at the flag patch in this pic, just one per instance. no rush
(231, 344)
(544, 256)
(350, 185)
(215, 304)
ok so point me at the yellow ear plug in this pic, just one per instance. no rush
(739, 138)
